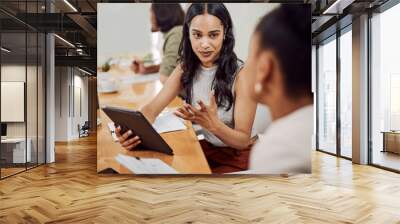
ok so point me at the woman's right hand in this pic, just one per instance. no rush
(126, 140)
(137, 67)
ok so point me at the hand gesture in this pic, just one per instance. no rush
(206, 116)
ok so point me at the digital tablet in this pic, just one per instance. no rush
(135, 121)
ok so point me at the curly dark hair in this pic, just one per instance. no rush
(227, 62)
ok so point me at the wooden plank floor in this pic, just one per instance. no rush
(70, 191)
(10, 171)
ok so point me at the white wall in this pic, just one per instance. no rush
(124, 28)
(84, 85)
(15, 73)
(62, 81)
(33, 126)
(245, 17)
(12, 101)
(80, 96)
(68, 82)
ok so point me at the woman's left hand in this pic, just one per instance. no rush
(206, 116)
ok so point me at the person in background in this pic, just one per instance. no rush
(167, 18)
(279, 66)
(216, 90)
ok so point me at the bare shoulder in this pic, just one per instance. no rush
(174, 80)
(178, 69)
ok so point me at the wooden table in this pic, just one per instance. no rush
(188, 156)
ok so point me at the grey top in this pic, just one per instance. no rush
(201, 90)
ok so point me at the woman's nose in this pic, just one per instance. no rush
(204, 43)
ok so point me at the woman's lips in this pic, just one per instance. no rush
(206, 54)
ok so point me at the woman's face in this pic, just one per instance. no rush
(206, 34)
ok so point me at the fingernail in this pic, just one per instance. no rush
(129, 132)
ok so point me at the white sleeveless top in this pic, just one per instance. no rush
(201, 90)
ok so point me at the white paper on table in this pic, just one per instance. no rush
(145, 165)
(168, 122)
(133, 79)
(131, 164)
(111, 126)
(244, 172)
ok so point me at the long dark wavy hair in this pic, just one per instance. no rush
(227, 62)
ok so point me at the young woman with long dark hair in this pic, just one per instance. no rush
(209, 75)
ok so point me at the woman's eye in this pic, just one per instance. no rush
(213, 35)
(196, 35)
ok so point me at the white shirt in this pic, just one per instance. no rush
(286, 145)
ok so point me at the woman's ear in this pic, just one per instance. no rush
(264, 71)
